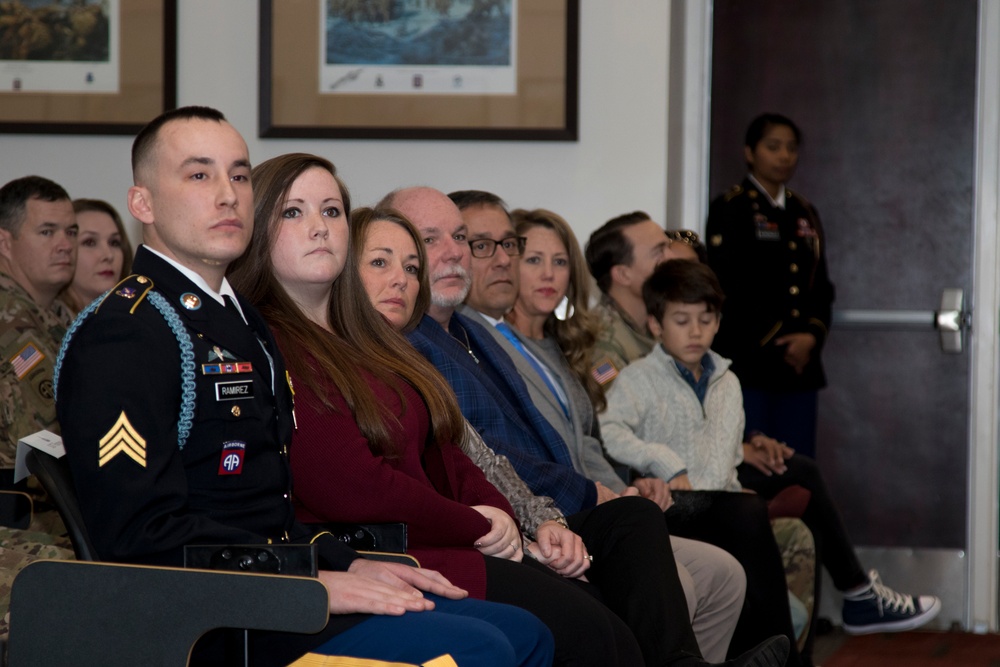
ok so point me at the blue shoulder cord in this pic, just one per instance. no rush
(186, 417)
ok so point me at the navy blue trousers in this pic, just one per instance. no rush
(786, 416)
(473, 632)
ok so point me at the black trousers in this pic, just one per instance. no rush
(833, 547)
(586, 631)
(634, 569)
(738, 523)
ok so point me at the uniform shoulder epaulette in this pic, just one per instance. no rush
(127, 294)
(733, 192)
(796, 195)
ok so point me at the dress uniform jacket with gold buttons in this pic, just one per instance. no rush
(119, 399)
(771, 263)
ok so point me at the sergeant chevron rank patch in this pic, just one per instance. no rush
(122, 438)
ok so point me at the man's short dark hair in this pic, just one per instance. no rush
(608, 247)
(14, 198)
(681, 281)
(464, 199)
(145, 141)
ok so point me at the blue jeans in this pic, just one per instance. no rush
(473, 632)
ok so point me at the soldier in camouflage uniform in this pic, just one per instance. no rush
(37, 259)
(621, 255)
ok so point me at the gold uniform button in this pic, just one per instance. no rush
(792, 245)
(793, 290)
(794, 268)
(236, 411)
(142, 280)
(795, 312)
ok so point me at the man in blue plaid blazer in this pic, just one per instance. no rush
(494, 398)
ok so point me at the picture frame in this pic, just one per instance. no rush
(144, 64)
(540, 104)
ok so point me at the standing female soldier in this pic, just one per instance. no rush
(766, 245)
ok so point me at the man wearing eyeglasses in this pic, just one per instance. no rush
(495, 249)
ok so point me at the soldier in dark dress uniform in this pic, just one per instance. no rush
(178, 414)
(766, 244)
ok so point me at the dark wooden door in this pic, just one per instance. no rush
(884, 92)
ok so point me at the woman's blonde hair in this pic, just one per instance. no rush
(577, 333)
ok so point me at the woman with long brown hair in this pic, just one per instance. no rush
(378, 430)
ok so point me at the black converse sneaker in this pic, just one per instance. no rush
(881, 609)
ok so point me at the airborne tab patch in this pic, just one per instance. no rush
(122, 438)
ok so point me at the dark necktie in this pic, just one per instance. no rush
(232, 307)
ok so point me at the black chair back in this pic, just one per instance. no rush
(57, 481)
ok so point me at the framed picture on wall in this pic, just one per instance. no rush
(86, 67)
(419, 69)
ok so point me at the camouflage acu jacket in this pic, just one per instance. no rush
(29, 342)
(618, 344)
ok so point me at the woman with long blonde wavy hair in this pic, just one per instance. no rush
(553, 269)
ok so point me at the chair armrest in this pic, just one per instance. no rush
(388, 557)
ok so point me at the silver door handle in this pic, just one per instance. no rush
(951, 320)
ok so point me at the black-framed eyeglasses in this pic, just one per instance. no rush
(512, 245)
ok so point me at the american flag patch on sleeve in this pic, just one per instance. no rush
(26, 359)
(604, 372)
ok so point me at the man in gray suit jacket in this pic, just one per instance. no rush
(493, 292)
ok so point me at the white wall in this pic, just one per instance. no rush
(618, 164)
